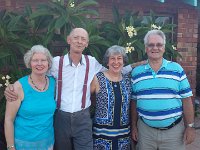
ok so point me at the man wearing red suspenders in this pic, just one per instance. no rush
(74, 72)
(72, 118)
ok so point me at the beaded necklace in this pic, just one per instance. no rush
(36, 86)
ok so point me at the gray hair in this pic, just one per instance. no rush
(114, 50)
(37, 49)
(154, 32)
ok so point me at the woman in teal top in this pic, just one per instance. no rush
(29, 120)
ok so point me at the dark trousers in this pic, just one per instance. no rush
(73, 130)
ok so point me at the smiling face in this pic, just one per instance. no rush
(115, 63)
(155, 48)
(39, 64)
(78, 40)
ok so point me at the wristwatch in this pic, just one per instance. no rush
(191, 125)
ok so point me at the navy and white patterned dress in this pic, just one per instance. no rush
(111, 127)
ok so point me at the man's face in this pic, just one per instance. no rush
(155, 47)
(78, 40)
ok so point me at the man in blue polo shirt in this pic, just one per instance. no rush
(162, 109)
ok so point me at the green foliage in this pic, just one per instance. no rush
(64, 17)
(36, 28)
(12, 43)
(5, 79)
(128, 30)
(51, 22)
(97, 44)
(2, 107)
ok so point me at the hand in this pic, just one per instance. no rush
(10, 94)
(138, 63)
(189, 135)
(134, 134)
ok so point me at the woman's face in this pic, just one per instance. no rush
(115, 63)
(39, 64)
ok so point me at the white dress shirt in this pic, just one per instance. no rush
(73, 79)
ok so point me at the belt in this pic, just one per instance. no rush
(74, 113)
(168, 127)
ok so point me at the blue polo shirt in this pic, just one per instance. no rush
(159, 94)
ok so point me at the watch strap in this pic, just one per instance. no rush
(191, 125)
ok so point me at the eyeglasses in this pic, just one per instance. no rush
(39, 61)
(152, 45)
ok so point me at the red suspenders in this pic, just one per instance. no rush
(85, 82)
(60, 82)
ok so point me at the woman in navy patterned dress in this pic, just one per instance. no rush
(111, 128)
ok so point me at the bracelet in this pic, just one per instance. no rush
(11, 146)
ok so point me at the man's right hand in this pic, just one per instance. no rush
(10, 93)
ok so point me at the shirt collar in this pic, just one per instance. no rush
(164, 64)
(68, 60)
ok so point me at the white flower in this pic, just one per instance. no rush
(1, 85)
(129, 48)
(8, 77)
(159, 27)
(7, 83)
(131, 31)
(72, 4)
(130, 34)
(153, 26)
(174, 48)
(128, 44)
(3, 78)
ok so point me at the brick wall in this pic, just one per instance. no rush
(185, 17)
(18, 5)
(198, 65)
(187, 30)
(187, 39)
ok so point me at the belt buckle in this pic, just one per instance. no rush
(163, 128)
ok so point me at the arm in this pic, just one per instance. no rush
(125, 69)
(93, 87)
(134, 119)
(133, 65)
(129, 68)
(10, 93)
(188, 112)
(55, 66)
(11, 111)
